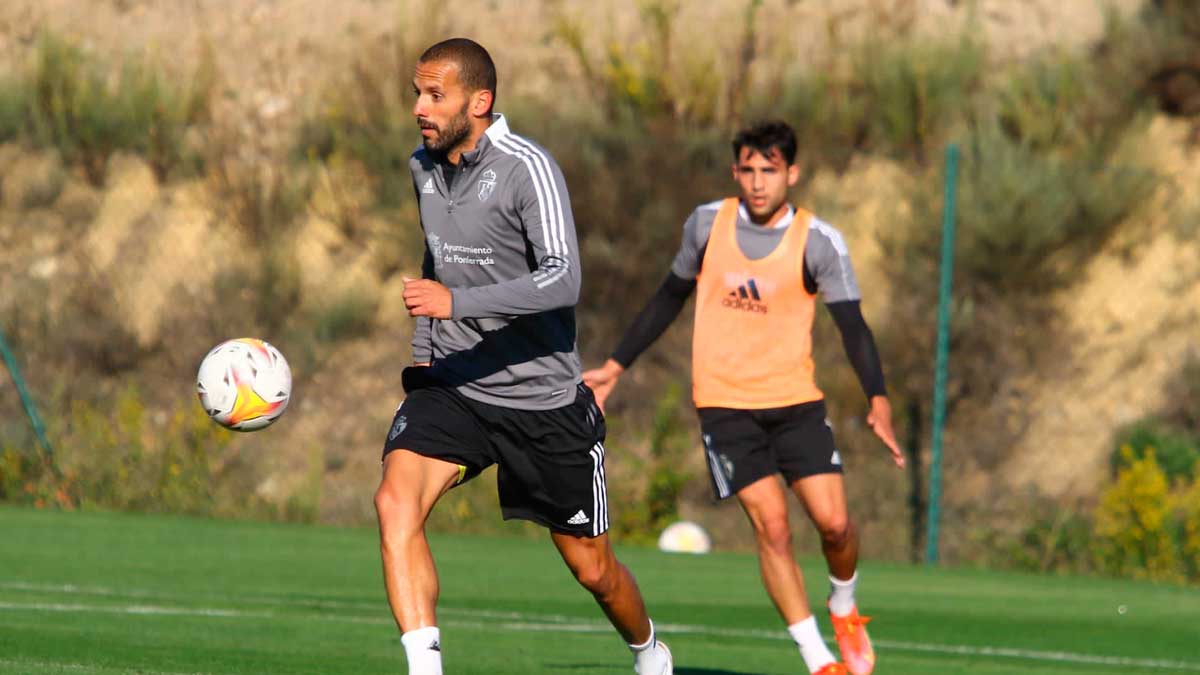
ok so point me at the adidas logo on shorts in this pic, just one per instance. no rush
(579, 518)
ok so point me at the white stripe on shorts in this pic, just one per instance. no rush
(599, 492)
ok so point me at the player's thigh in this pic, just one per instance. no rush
(435, 442)
(551, 466)
(736, 449)
(590, 559)
(765, 504)
(412, 484)
(824, 499)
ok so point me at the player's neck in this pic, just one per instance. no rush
(773, 219)
(478, 128)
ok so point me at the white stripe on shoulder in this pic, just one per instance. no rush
(839, 244)
(711, 206)
(545, 205)
(832, 234)
(544, 171)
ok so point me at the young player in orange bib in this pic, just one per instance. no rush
(757, 264)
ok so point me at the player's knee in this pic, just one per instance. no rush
(385, 501)
(394, 513)
(598, 576)
(774, 534)
(836, 532)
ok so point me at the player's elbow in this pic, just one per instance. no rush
(562, 285)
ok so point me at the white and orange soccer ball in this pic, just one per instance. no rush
(244, 384)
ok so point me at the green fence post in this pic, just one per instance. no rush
(943, 355)
(26, 399)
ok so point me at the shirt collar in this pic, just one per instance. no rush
(497, 130)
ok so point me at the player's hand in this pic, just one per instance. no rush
(602, 380)
(426, 297)
(880, 421)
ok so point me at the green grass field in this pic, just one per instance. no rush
(116, 593)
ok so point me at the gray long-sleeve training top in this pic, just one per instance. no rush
(502, 238)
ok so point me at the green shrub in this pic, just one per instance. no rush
(641, 519)
(118, 454)
(1188, 507)
(1027, 220)
(13, 99)
(365, 114)
(1175, 450)
(1133, 523)
(350, 315)
(75, 105)
(1058, 543)
(653, 79)
(915, 90)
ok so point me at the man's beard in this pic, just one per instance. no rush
(458, 128)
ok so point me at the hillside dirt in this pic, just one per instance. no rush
(1132, 316)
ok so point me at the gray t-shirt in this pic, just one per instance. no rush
(502, 239)
(826, 257)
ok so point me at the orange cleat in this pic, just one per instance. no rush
(832, 669)
(853, 642)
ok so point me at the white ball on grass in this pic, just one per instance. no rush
(684, 537)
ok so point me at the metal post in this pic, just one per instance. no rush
(916, 498)
(26, 399)
(943, 354)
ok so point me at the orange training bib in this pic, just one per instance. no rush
(752, 340)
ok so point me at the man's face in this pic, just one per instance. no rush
(763, 182)
(441, 106)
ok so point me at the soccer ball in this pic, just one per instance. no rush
(244, 384)
(684, 537)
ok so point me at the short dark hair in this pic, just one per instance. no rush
(765, 136)
(475, 67)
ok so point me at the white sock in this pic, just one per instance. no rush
(812, 648)
(841, 595)
(647, 659)
(424, 649)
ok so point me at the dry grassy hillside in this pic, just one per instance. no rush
(141, 257)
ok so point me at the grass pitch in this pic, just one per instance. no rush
(109, 593)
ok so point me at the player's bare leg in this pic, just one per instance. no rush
(411, 485)
(765, 503)
(597, 569)
(824, 498)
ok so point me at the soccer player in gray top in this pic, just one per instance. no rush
(756, 265)
(496, 376)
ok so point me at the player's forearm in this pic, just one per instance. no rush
(555, 284)
(650, 323)
(860, 347)
(422, 340)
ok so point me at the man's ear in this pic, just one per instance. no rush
(793, 175)
(481, 103)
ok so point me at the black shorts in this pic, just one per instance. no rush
(550, 463)
(743, 446)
